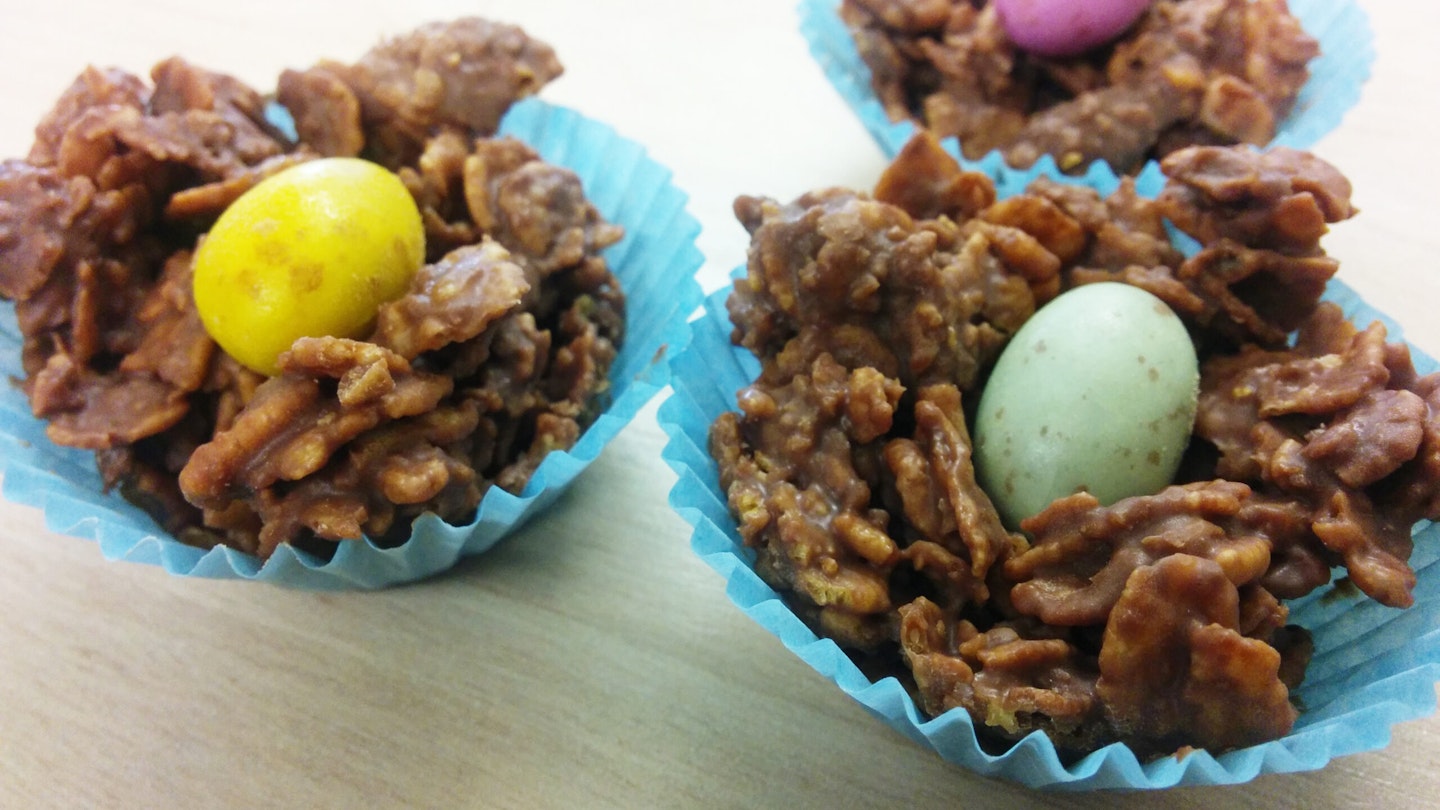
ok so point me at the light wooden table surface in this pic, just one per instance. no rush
(591, 660)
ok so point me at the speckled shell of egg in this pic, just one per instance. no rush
(1096, 392)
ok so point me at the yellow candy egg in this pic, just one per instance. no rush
(312, 251)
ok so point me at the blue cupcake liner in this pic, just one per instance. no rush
(1373, 666)
(1337, 75)
(656, 263)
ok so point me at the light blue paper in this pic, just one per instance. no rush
(1373, 667)
(1336, 77)
(656, 264)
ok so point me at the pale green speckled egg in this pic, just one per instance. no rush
(1095, 392)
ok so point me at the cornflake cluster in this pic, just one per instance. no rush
(1190, 72)
(1158, 620)
(497, 355)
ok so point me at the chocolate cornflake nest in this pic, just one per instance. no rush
(1157, 621)
(496, 355)
(1189, 72)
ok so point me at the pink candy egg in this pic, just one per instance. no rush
(1066, 27)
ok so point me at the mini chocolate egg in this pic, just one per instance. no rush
(1096, 392)
(1066, 27)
